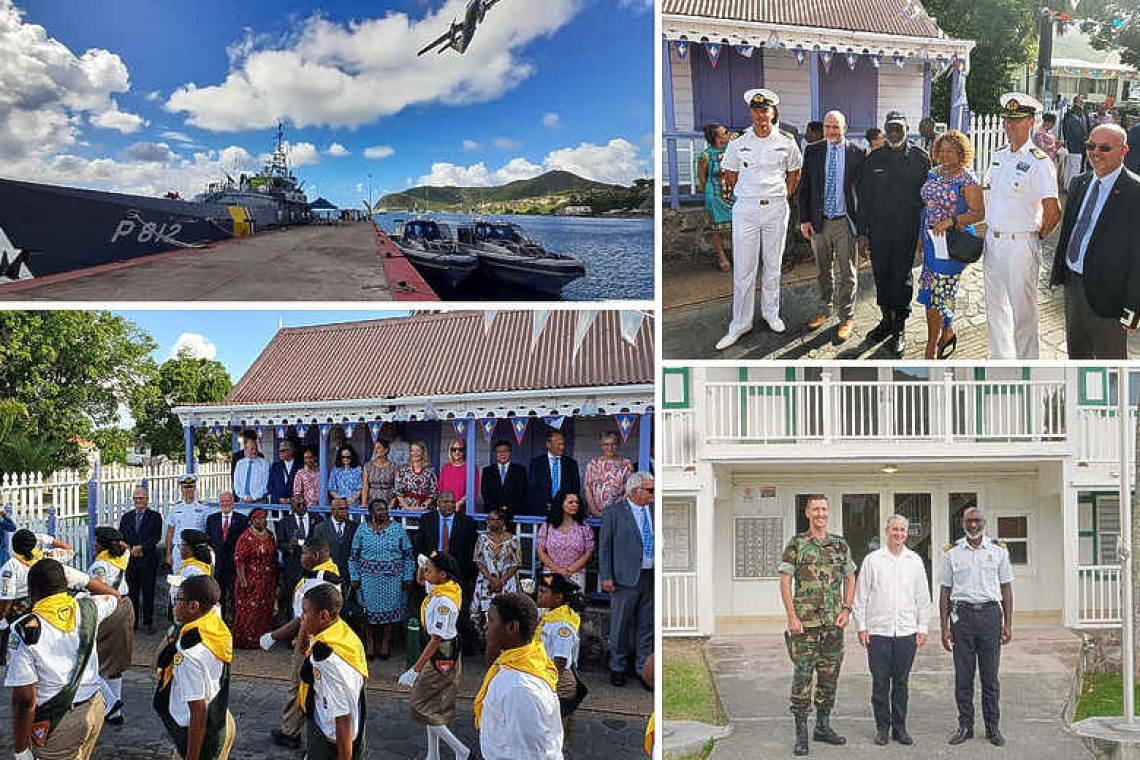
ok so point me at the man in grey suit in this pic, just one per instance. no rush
(625, 566)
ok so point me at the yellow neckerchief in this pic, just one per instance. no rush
(59, 610)
(37, 555)
(215, 635)
(345, 644)
(561, 614)
(120, 562)
(327, 566)
(649, 736)
(450, 589)
(529, 658)
(203, 566)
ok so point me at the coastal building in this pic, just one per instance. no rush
(1038, 449)
(862, 57)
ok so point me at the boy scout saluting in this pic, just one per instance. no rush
(1021, 212)
(817, 612)
(762, 167)
(57, 708)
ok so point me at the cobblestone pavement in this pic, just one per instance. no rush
(256, 705)
(692, 333)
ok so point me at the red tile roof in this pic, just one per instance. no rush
(878, 16)
(442, 354)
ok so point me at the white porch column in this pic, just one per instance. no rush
(1070, 613)
(706, 556)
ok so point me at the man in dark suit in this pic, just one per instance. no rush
(338, 531)
(625, 567)
(444, 529)
(142, 531)
(223, 528)
(828, 218)
(293, 529)
(1075, 131)
(281, 474)
(503, 484)
(1098, 254)
(550, 473)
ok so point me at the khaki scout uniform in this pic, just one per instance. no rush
(819, 568)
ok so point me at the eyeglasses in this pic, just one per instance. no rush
(346, 456)
(458, 449)
(1102, 147)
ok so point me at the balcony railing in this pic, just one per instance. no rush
(679, 597)
(1098, 596)
(827, 411)
(1099, 434)
(679, 438)
(681, 149)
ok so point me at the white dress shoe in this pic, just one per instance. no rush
(730, 339)
(776, 324)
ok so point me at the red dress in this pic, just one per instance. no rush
(255, 601)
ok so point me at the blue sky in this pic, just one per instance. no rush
(215, 334)
(147, 96)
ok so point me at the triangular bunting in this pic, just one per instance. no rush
(631, 325)
(488, 319)
(460, 428)
(374, 428)
(301, 429)
(518, 425)
(538, 324)
(713, 49)
(625, 424)
(877, 59)
(555, 421)
(682, 48)
(487, 425)
(800, 54)
(324, 428)
(280, 430)
(852, 59)
(585, 319)
(825, 57)
(900, 61)
(348, 428)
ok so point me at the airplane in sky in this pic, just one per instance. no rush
(459, 36)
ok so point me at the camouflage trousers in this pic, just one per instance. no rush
(816, 651)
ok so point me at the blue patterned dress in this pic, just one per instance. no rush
(720, 211)
(942, 198)
(346, 481)
(381, 562)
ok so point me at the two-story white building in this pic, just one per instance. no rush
(742, 447)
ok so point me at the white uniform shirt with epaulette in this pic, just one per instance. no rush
(1019, 181)
(14, 579)
(109, 574)
(441, 617)
(307, 583)
(184, 516)
(197, 674)
(974, 575)
(762, 163)
(336, 692)
(50, 661)
(561, 640)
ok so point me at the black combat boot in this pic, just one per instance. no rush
(885, 327)
(801, 747)
(823, 731)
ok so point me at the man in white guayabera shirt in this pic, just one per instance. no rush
(892, 614)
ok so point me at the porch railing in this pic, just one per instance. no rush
(679, 156)
(679, 438)
(1099, 596)
(1099, 434)
(827, 411)
(679, 604)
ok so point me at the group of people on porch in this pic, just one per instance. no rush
(899, 199)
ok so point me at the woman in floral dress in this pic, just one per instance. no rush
(255, 592)
(346, 479)
(498, 556)
(380, 474)
(381, 568)
(416, 482)
(708, 179)
(307, 484)
(565, 543)
(606, 476)
(951, 197)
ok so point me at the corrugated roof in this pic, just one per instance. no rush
(878, 16)
(442, 354)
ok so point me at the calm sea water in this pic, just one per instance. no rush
(618, 253)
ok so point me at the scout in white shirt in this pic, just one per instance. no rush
(762, 169)
(892, 614)
(193, 693)
(317, 570)
(116, 634)
(57, 709)
(561, 602)
(332, 678)
(186, 514)
(197, 559)
(27, 549)
(516, 709)
(1021, 212)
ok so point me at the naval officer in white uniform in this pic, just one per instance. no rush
(762, 167)
(1021, 212)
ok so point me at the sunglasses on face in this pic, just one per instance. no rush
(1102, 147)
(459, 450)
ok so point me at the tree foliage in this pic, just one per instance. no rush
(1006, 32)
(70, 370)
(21, 451)
(183, 379)
(113, 444)
(1113, 24)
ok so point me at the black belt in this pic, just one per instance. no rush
(835, 218)
(976, 605)
(80, 704)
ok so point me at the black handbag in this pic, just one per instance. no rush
(963, 247)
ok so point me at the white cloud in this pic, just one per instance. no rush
(360, 188)
(195, 346)
(47, 92)
(181, 137)
(470, 146)
(127, 123)
(618, 162)
(154, 95)
(552, 121)
(337, 150)
(150, 152)
(326, 73)
(302, 154)
(506, 143)
(378, 151)
(637, 6)
(236, 157)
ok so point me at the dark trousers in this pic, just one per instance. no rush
(892, 261)
(890, 658)
(631, 612)
(225, 579)
(141, 574)
(1089, 335)
(977, 645)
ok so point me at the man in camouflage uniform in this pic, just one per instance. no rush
(818, 609)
